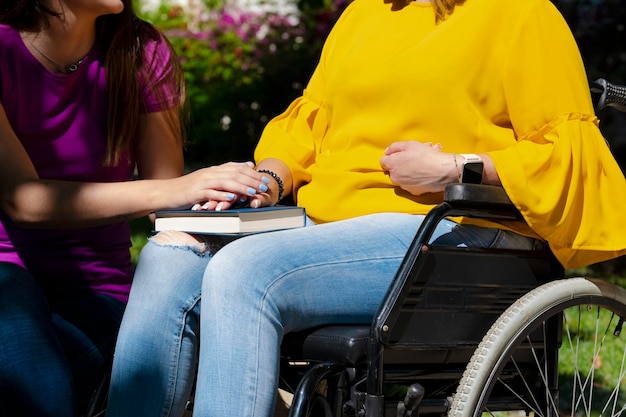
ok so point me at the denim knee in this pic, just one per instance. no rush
(21, 298)
(15, 280)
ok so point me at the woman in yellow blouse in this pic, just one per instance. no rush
(403, 96)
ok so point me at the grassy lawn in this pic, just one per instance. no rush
(596, 359)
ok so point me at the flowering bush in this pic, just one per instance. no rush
(242, 68)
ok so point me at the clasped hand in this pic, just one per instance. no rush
(417, 167)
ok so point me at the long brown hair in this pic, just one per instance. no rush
(444, 8)
(122, 38)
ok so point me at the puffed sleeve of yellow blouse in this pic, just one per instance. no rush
(560, 174)
(294, 135)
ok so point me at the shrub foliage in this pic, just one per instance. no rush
(242, 68)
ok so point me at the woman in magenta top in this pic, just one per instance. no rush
(89, 96)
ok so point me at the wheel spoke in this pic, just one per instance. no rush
(616, 391)
(590, 315)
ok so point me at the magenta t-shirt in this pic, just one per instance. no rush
(60, 120)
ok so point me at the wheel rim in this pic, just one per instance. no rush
(593, 388)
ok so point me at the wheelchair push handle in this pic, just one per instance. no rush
(611, 95)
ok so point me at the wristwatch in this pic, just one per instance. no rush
(472, 169)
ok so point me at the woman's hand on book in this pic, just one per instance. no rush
(221, 186)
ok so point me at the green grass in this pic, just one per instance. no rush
(596, 354)
(140, 229)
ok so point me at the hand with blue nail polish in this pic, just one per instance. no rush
(223, 186)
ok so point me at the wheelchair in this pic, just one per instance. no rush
(466, 331)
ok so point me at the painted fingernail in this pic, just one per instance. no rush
(251, 191)
(206, 205)
(230, 196)
(266, 180)
(263, 187)
(195, 207)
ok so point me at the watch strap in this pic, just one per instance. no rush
(471, 157)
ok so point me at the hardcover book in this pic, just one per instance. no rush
(234, 221)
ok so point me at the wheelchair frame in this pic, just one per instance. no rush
(454, 323)
(433, 336)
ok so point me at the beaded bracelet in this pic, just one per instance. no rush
(456, 165)
(272, 174)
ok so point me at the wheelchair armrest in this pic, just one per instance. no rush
(468, 200)
(477, 194)
(480, 200)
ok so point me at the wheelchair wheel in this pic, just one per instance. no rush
(557, 351)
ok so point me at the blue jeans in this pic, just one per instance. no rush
(255, 290)
(53, 347)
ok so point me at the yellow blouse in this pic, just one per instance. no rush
(505, 78)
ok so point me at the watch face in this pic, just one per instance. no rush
(472, 173)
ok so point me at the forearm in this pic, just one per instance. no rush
(490, 175)
(421, 168)
(65, 204)
(452, 167)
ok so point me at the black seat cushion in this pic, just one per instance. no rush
(345, 344)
